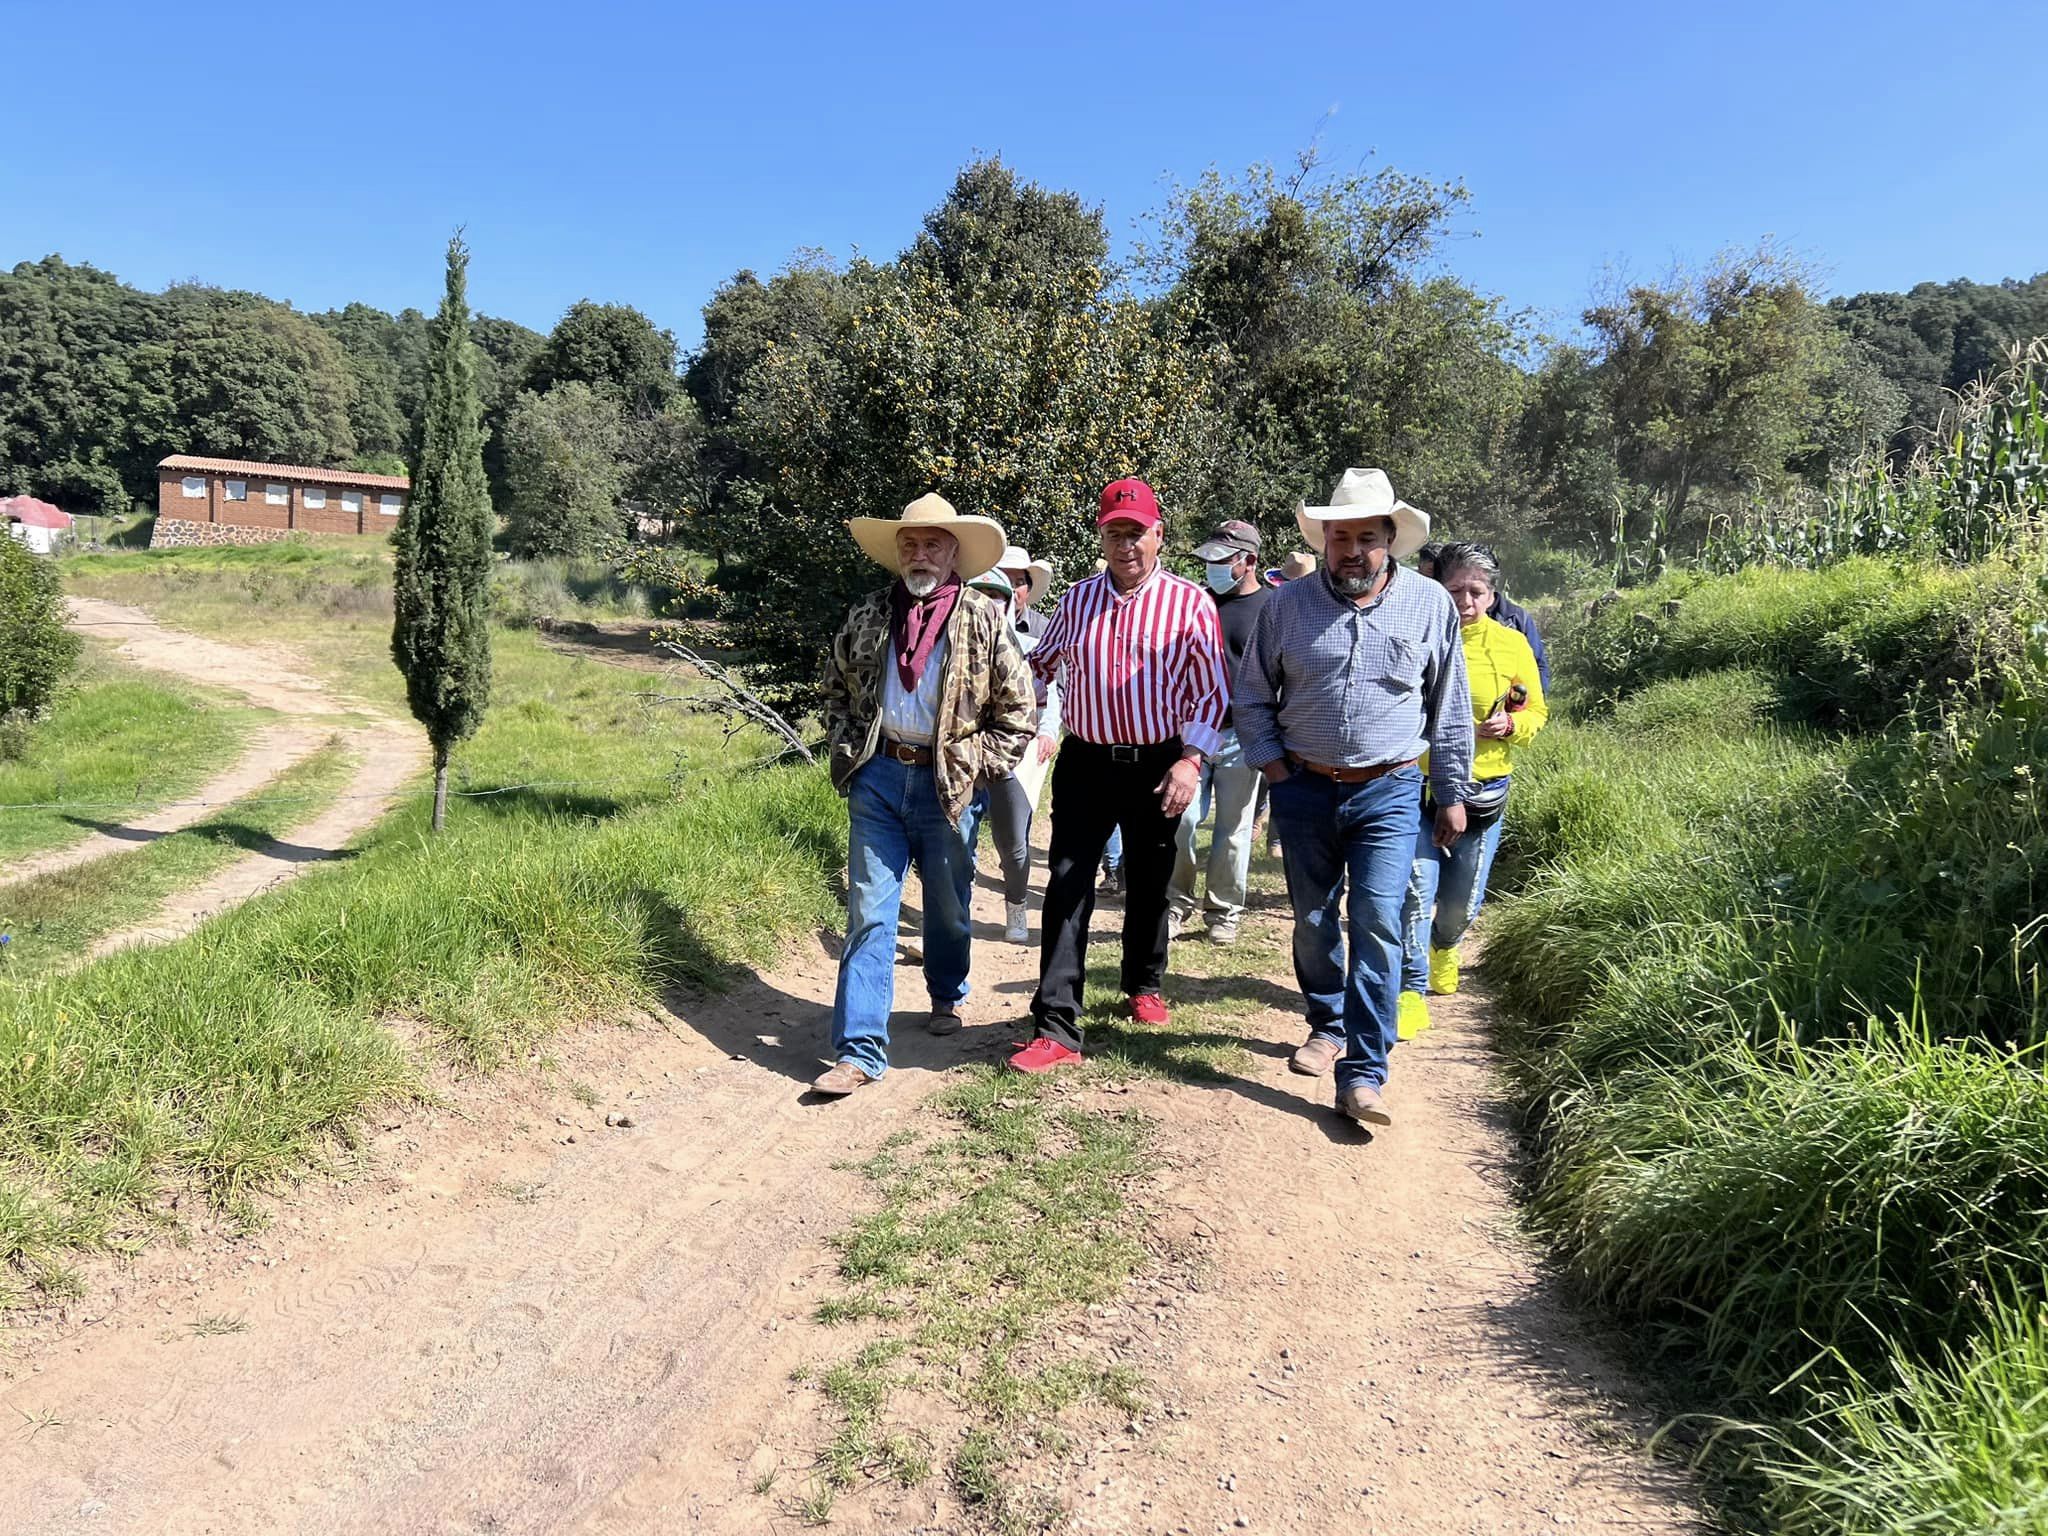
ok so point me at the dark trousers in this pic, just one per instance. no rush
(1096, 789)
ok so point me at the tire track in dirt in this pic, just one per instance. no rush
(513, 1325)
(387, 753)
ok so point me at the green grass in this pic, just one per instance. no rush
(53, 918)
(1776, 1000)
(120, 741)
(1002, 1214)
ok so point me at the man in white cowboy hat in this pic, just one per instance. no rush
(1028, 580)
(927, 701)
(1352, 675)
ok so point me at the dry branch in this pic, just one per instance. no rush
(739, 704)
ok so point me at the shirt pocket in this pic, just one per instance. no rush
(1391, 663)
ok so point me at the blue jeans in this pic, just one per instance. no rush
(894, 815)
(1454, 885)
(1362, 836)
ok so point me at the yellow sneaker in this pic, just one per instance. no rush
(1443, 971)
(1413, 1017)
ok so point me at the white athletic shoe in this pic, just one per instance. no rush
(1016, 922)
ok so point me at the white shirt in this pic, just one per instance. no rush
(913, 717)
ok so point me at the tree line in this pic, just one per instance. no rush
(1272, 327)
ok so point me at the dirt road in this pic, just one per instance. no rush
(516, 1318)
(387, 754)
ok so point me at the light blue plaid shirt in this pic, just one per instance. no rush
(1334, 683)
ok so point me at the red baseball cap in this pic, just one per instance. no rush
(1129, 501)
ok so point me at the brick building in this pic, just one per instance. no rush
(207, 500)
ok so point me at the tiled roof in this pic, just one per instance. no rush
(185, 461)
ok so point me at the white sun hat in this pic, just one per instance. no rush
(1018, 558)
(1366, 493)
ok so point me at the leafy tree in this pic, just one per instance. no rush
(36, 650)
(1937, 338)
(250, 379)
(1334, 346)
(1714, 379)
(441, 633)
(664, 463)
(615, 350)
(1016, 381)
(565, 471)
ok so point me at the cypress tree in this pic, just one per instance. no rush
(441, 637)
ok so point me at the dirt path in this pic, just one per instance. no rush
(273, 750)
(519, 1319)
(387, 754)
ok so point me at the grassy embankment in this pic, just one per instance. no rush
(250, 1050)
(120, 740)
(1776, 982)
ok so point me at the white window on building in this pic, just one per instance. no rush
(390, 506)
(277, 495)
(315, 500)
(351, 501)
(194, 487)
(238, 490)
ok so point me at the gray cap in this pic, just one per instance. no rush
(1230, 540)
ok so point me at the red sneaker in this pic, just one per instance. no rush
(1149, 1008)
(1042, 1055)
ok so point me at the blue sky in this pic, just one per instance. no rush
(643, 153)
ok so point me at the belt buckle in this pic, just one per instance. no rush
(903, 752)
(1123, 754)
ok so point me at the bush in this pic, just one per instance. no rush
(1857, 644)
(36, 650)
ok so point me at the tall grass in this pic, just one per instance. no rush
(1776, 999)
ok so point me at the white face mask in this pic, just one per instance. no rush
(1221, 577)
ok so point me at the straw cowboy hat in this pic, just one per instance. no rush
(1366, 493)
(981, 539)
(1017, 558)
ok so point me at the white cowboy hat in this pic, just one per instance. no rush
(1017, 558)
(981, 538)
(1366, 493)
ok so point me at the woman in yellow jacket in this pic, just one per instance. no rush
(1507, 699)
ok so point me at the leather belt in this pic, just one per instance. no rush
(1125, 752)
(1363, 775)
(906, 752)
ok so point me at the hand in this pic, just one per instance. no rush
(1497, 726)
(1278, 771)
(1046, 747)
(1450, 826)
(1176, 791)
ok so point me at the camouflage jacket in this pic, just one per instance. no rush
(986, 715)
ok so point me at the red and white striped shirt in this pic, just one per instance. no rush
(1142, 666)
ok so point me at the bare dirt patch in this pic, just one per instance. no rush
(516, 1316)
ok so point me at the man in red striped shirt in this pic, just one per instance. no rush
(1145, 693)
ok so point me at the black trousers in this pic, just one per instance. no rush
(1094, 790)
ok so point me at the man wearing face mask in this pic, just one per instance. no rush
(1230, 784)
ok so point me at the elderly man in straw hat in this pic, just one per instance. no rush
(1352, 675)
(927, 700)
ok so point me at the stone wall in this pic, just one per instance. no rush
(177, 533)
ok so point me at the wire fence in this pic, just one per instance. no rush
(424, 792)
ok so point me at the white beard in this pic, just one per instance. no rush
(921, 586)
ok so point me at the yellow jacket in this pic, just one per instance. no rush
(1496, 658)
